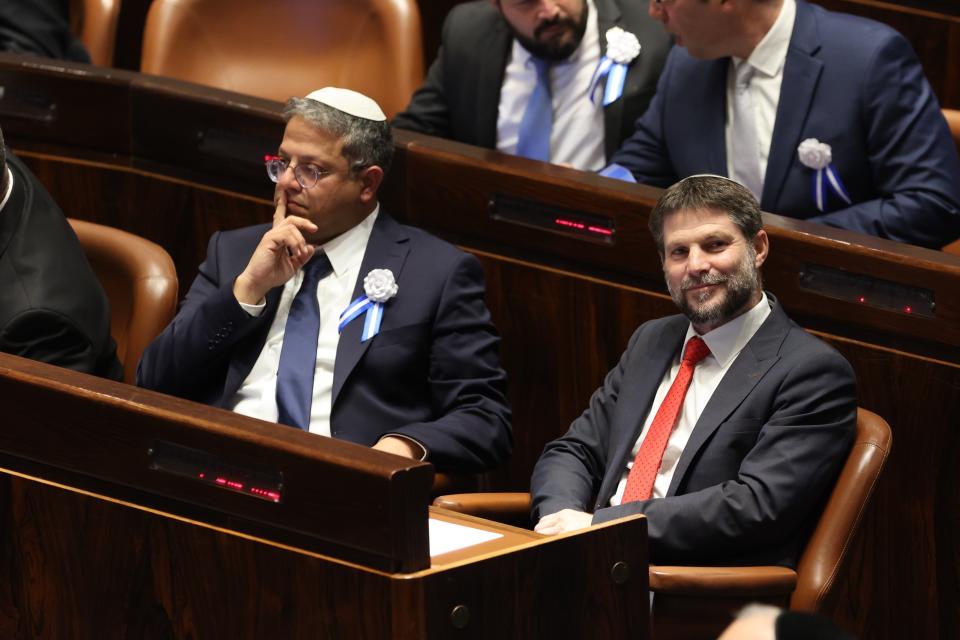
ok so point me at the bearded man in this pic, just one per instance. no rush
(529, 78)
(726, 425)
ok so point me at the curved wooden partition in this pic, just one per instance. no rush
(571, 271)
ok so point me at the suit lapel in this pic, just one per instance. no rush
(386, 249)
(712, 120)
(756, 358)
(489, 82)
(608, 16)
(637, 390)
(801, 73)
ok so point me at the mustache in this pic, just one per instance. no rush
(558, 21)
(710, 278)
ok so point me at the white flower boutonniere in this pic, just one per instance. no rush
(380, 285)
(622, 48)
(818, 156)
(815, 154)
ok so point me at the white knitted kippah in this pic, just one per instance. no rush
(356, 104)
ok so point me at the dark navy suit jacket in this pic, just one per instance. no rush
(431, 373)
(757, 467)
(460, 97)
(852, 83)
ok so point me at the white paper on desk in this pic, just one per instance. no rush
(447, 536)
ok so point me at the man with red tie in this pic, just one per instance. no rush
(727, 425)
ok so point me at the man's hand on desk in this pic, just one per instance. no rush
(400, 447)
(563, 521)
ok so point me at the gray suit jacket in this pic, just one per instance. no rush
(757, 467)
(461, 95)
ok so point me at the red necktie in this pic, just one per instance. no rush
(647, 463)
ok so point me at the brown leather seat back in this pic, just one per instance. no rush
(141, 284)
(953, 121)
(95, 23)
(276, 50)
(826, 551)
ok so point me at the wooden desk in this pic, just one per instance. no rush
(174, 163)
(99, 541)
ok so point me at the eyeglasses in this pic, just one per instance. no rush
(306, 174)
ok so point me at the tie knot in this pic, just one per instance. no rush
(543, 69)
(696, 350)
(317, 268)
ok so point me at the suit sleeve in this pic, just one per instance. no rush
(196, 347)
(467, 386)
(913, 159)
(781, 480)
(644, 154)
(429, 108)
(47, 336)
(571, 468)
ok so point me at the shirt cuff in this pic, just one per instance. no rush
(416, 445)
(618, 172)
(254, 309)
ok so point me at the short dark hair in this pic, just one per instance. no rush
(365, 142)
(708, 192)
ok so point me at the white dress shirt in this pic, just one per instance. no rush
(767, 59)
(725, 343)
(577, 137)
(257, 395)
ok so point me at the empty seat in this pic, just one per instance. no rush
(275, 50)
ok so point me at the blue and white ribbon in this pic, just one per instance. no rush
(832, 180)
(371, 324)
(616, 76)
(818, 156)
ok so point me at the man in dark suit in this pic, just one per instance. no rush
(335, 318)
(731, 457)
(850, 90)
(52, 307)
(477, 89)
(41, 27)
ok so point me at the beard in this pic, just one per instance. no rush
(739, 287)
(555, 51)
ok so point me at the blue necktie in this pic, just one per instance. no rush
(533, 137)
(298, 356)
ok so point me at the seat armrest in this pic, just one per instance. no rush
(509, 508)
(732, 581)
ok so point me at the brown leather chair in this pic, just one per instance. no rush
(276, 50)
(95, 23)
(953, 121)
(141, 284)
(699, 601)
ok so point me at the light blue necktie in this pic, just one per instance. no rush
(298, 356)
(533, 138)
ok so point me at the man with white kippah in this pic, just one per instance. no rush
(726, 425)
(335, 318)
(824, 116)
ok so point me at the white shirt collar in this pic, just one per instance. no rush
(769, 56)
(346, 250)
(726, 341)
(6, 196)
